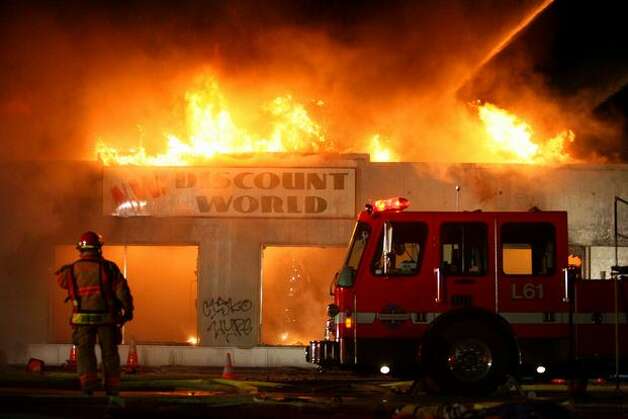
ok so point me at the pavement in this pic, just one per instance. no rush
(186, 392)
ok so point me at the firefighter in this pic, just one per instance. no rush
(102, 303)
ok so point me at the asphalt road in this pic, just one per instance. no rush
(286, 393)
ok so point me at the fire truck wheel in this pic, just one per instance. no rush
(467, 357)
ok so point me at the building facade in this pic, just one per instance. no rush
(223, 219)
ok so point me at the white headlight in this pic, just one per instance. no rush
(385, 369)
(540, 369)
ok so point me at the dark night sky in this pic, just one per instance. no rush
(577, 49)
(55, 54)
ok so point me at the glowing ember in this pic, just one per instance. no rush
(512, 138)
(193, 340)
(379, 151)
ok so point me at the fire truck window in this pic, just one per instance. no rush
(358, 244)
(464, 248)
(528, 248)
(408, 240)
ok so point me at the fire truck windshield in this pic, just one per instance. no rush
(359, 240)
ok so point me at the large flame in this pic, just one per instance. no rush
(380, 151)
(513, 139)
(212, 130)
(283, 125)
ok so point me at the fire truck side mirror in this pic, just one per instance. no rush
(345, 278)
(332, 310)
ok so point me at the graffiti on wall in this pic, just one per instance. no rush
(228, 318)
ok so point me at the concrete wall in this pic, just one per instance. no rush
(50, 203)
(159, 355)
(603, 258)
(586, 192)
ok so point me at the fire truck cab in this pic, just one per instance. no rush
(469, 297)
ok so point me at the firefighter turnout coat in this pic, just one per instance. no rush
(97, 289)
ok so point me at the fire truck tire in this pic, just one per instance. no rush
(467, 356)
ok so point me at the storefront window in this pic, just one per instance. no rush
(295, 292)
(163, 282)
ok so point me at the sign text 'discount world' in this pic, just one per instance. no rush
(230, 192)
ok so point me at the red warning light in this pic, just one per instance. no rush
(391, 204)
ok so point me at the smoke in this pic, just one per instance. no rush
(514, 84)
(567, 70)
(75, 72)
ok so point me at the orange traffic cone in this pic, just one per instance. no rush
(35, 366)
(227, 372)
(132, 362)
(71, 362)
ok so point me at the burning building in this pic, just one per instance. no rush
(248, 263)
(229, 205)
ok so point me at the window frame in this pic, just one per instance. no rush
(378, 248)
(369, 229)
(551, 272)
(486, 269)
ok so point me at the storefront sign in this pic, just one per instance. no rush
(230, 192)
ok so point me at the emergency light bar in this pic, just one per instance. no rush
(392, 204)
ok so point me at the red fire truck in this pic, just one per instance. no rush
(470, 297)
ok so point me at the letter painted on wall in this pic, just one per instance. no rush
(229, 192)
(227, 320)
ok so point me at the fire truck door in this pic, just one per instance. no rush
(465, 272)
(531, 255)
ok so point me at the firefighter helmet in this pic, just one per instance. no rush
(89, 241)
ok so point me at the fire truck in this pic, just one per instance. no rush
(469, 298)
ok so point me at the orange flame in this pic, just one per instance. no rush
(212, 130)
(513, 138)
(379, 151)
